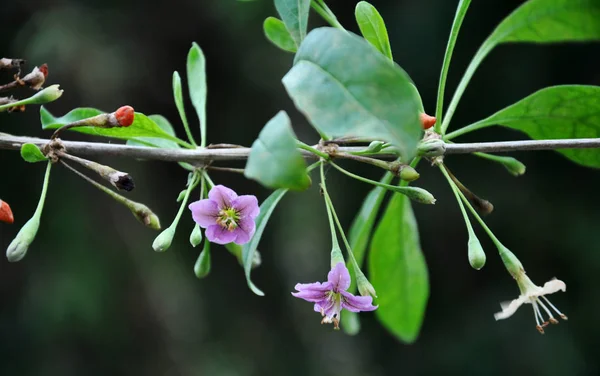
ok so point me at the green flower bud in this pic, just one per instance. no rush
(49, 94)
(163, 240)
(418, 194)
(431, 148)
(409, 174)
(195, 236)
(17, 249)
(202, 265)
(375, 147)
(514, 166)
(476, 254)
(143, 214)
(365, 288)
(181, 195)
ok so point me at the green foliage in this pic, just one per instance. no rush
(278, 34)
(294, 14)
(558, 112)
(373, 28)
(196, 75)
(142, 125)
(249, 249)
(398, 271)
(32, 154)
(346, 87)
(274, 159)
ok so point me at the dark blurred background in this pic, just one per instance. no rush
(91, 297)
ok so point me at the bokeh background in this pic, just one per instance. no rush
(92, 298)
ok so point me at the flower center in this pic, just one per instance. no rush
(228, 218)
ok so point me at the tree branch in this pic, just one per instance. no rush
(201, 156)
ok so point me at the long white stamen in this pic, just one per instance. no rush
(537, 320)
(553, 307)
(537, 310)
(551, 318)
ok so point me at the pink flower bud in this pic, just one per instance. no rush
(426, 120)
(6, 214)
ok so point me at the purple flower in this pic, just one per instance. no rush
(331, 297)
(226, 216)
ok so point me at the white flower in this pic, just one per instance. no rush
(531, 294)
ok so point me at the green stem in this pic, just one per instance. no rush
(309, 148)
(461, 11)
(323, 10)
(208, 179)
(467, 129)
(40, 205)
(456, 192)
(193, 184)
(336, 253)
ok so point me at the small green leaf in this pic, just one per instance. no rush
(345, 87)
(274, 159)
(142, 125)
(32, 154)
(202, 265)
(278, 34)
(398, 270)
(163, 124)
(294, 14)
(249, 249)
(196, 75)
(558, 112)
(372, 27)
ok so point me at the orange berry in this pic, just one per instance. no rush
(125, 116)
(426, 120)
(6, 214)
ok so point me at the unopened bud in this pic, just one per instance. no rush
(181, 195)
(49, 94)
(418, 194)
(125, 116)
(17, 249)
(408, 173)
(375, 146)
(476, 254)
(144, 215)
(6, 214)
(514, 166)
(164, 239)
(431, 148)
(426, 120)
(36, 78)
(196, 236)
(202, 265)
(365, 288)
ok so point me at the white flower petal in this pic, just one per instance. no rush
(508, 309)
(553, 286)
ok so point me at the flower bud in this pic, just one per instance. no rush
(418, 194)
(202, 265)
(426, 120)
(476, 254)
(431, 148)
(125, 116)
(17, 249)
(49, 94)
(164, 239)
(196, 236)
(181, 195)
(514, 166)
(375, 147)
(408, 173)
(365, 288)
(6, 214)
(144, 215)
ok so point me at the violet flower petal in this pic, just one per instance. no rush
(222, 195)
(245, 230)
(247, 206)
(339, 277)
(219, 235)
(357, 303)
(204, 212)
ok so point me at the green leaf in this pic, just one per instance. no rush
(398, 271)
(32, 154)
(278, 34)
(294, 14)
(557, 112)
(163, 124)
(249, 249)
(536, 21)
(373, 28)
(196, 75)
(142, 125)
(274, 159)
(345, 87)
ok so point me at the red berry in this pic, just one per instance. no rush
(44, 69)
(427, 121)
(125, 116)
(6, 214)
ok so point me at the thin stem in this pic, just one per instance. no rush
(106, 190)
(372, 161)
(208, 179)
(191, 187)
(467, 129)
(313, 150)
(226, 169)
(323, 10)
(461, 11)
(460, 203)
(40, 205)
(334, 240)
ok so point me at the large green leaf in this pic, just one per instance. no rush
(398, 271)
(568, 111)
(274, 159)
(294, 14)
(359, 235)
(142, 125)
(166, 126)
(372, 27)
(266, 209)
(347, 88)
(196, 75)
(278, 34)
